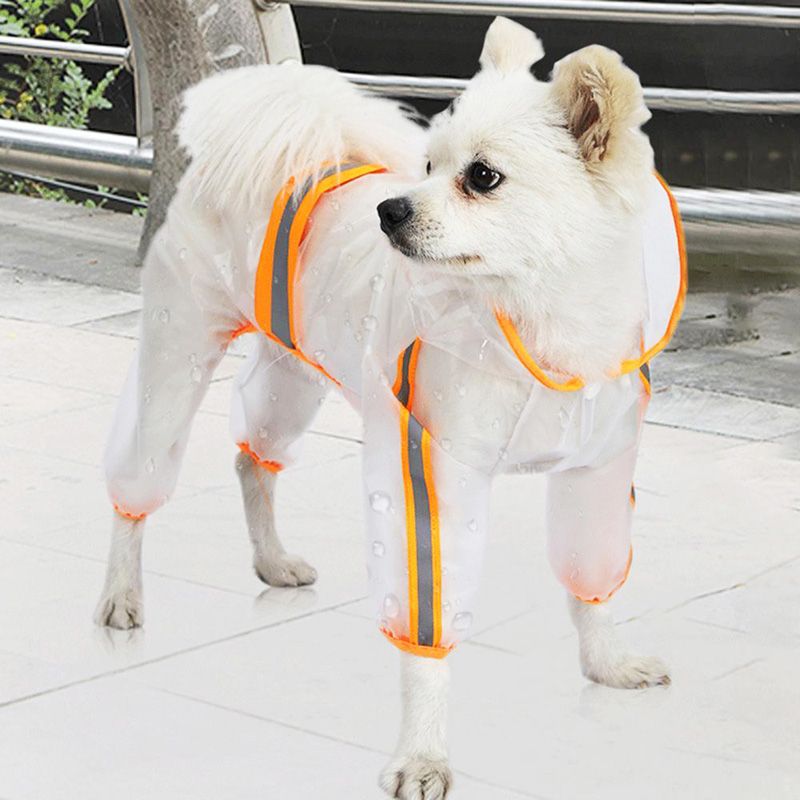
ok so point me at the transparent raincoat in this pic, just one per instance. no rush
(447, 391)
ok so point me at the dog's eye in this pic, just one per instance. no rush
(482, 178)
(428, 168)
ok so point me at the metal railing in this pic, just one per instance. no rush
(657, 99)
(105, 159)
(84, 156)
(126, 161)
(50, 48)
(739, 207)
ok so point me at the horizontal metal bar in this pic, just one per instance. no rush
(106, 159)
(74, 187)
(409, 85)
(113, 160)
(714, 102)
(610, 10)
(739, 206)
(74, 51)
(660, 99)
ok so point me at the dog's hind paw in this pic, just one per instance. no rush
(630, 671)
(417, 779)
(285, 570)
(122, 611)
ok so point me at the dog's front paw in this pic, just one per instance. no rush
(282, 569)
(628, 671)
(123, 610)
(417, 779)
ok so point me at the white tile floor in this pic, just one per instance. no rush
(233, 691)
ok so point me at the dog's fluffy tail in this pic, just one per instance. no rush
(248, 130)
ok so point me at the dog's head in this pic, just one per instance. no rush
(519, 169)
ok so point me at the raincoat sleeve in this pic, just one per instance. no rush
(426, 517)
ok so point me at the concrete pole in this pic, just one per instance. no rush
(185, 41)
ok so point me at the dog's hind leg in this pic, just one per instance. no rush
(120, 604)
(276, 397)
(184, 333)
(589, 513)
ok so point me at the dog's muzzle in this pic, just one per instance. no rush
(394, 213)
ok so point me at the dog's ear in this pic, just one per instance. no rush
(602, 101)
(509, 46)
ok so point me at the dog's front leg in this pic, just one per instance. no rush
(605, 658)
(589, 512)
(419, 770)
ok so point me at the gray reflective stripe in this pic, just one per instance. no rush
(422, 525)
(280, 311)
(279, 319)
(645, 368)
(405, 386)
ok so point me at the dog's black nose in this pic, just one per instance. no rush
(393, 213)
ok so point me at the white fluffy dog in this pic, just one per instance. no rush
(497, 313)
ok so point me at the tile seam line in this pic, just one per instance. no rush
(158, 659)
(325, 736)
(495, 625)
(744, 439)
(67, 325)
(261, 718)
(738, 668)
(47, 415)
(85, 328)
(196, 487)
(75, 281)
(104, 318)
(103, 561)
(75, 228)
(719, 392)
(712, 592)
(112, 396)
(16, 377)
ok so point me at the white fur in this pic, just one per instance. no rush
(550, 247)
(419, 769)
(251, 129)
(551, 244)
(509, 47)
(120, 604)
(270, 560)
(605, 658)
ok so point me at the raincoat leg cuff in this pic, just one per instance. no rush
(129, 514)
(272, 466)
(425, 651)
(598, 600)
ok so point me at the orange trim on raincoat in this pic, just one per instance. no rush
(574, 383)
(297, 232)
(128, 515)
(245, 327)
(272, 466)
(416, 649)
(598, 600)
